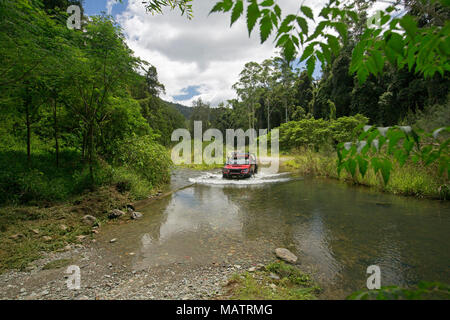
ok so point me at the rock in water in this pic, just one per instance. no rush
(116, 213)
(89, 220)
(286, 255)
(136, 215)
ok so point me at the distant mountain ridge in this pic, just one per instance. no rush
(184, 110)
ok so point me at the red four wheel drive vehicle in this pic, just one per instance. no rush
(240, 165)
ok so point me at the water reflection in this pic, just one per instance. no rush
(337, 231)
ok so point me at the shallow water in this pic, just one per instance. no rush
(336, 230)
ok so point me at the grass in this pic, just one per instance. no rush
(42, 182)
(56, 264)
(201, 167)
(409, 180)
(41, 205)
(259, 285)
(27, 231)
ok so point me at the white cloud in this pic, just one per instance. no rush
(202, 52)
(109, 6)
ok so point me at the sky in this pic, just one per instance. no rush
(198, 58)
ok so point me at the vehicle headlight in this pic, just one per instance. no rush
(245, 171)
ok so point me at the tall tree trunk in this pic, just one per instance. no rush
(286, 108)
(91, 152)
(55, 127)
(83, 147)
(28, 124)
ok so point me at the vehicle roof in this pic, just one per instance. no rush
(242, 154)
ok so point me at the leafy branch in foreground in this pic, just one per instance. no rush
(398, 40)
(424, 290)
(378, 147)
(156, 6)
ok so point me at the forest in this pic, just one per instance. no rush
(79, 110)
(316, 116)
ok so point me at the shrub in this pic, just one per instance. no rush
(146, 158)
(126, 180)
(320, 133)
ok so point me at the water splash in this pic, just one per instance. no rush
(260, 178)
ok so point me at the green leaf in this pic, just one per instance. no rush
(277, 11)
(378, 60)
(353, 15)
(311, 65)
(362, 74)
(394, 137)
(325, 12)
(286, 21)
(217, 7)
(432, 157)
(326, 52)
(282, 40)
(227, 5)
(371, 66)
(267, 3)
(318, 31)
(342, 29)
(237, 11)
(284, 26)
(400, 156)
(321, 57)
(396, 43)
(309, 50)
(289, 49)
(409, 25)
(303, 24)
(376, 164)
(333, 42)
(408, 145)
(274, 18)
(386, 167)
(363, 164)
(266, 27)
(351, 166)
(307, 12)
(253, 14)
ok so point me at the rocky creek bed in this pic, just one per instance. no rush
(103, 277)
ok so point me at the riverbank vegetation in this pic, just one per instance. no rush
(28, 231)
(276, 281)
(79, 110)
(321, 117)
(82, 128)
(409, 180)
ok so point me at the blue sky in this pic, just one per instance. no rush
(189, 92)
(93, 7)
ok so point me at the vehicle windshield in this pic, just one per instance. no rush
(238, 161)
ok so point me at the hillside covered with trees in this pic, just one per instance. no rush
(79, 109)
(321, 115)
